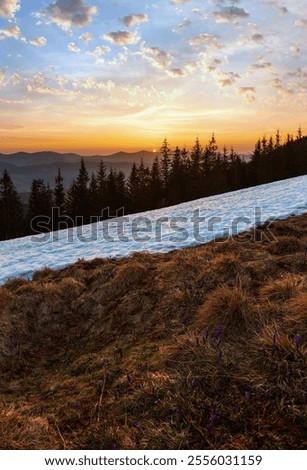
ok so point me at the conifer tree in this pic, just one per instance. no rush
(155, 189)
(101, 178)
(59, 193)
(165, 168)
(40, 204)
(133, 189)
(11, 211)
(176, 177)
(78, 198)
(95, 208)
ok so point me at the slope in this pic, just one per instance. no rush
(201, 348)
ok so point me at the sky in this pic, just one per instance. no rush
(96, 76)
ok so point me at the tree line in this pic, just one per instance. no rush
(177, 176)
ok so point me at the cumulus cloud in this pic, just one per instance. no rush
(230, 14)
(262, 66)
(73, 47)
(12, 32)
(295, 50)
(176, 72)
(134, 19)
(68, 14)
(257, 37)
(184, 24)
(99, 51)
(280, 88)
(248, 92)
(302, 23)
(122, 37)
(247, 89)
(210, 40)
(157, 57)
(2, 77)
(8, 8)
(39, 42)
(281, 9)
(227, 78)
(191, 66)
(86, 37)
(179, 2)
(16, 79)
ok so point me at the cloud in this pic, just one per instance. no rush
(230, 14)
(302, 23)
(191, 66)
(134, 19)
(246, 89)
(257, 37)
(179, 2)
(2, 77)
(274, 4)
(157, 57)
(68, 14)
(184, 24)
(228, 78)
(12, 32)
(39, 42)
(99, 51)
(86, 37)
(262, 66)
(282, 90)
(248, 92)
(8, 8)
(295, 49)
(210, 40)
(73, 47)
(16, 79)
(122, 37)
(176, 72)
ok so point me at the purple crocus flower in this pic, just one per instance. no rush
(212, 416)
(236, 408)
(298, 341)
(218, 332)
(206, 334)
(247, 394)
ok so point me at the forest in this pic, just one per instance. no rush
(177, 175)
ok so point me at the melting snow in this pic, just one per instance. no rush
(162, 230)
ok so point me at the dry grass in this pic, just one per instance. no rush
(228, 309)
(284, 288)
(199, 348)
(287, 245)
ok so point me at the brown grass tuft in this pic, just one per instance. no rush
(42, 274)
(15, 283)
(6, 298)
(286, 245)
(296, 315)
(229, 308)
(70, 288)
(282, 289)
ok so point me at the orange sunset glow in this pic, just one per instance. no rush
(89, 78)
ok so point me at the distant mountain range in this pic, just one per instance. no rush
(24, 167)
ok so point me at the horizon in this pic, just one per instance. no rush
(90, 79)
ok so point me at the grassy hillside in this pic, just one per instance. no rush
(203, 348)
